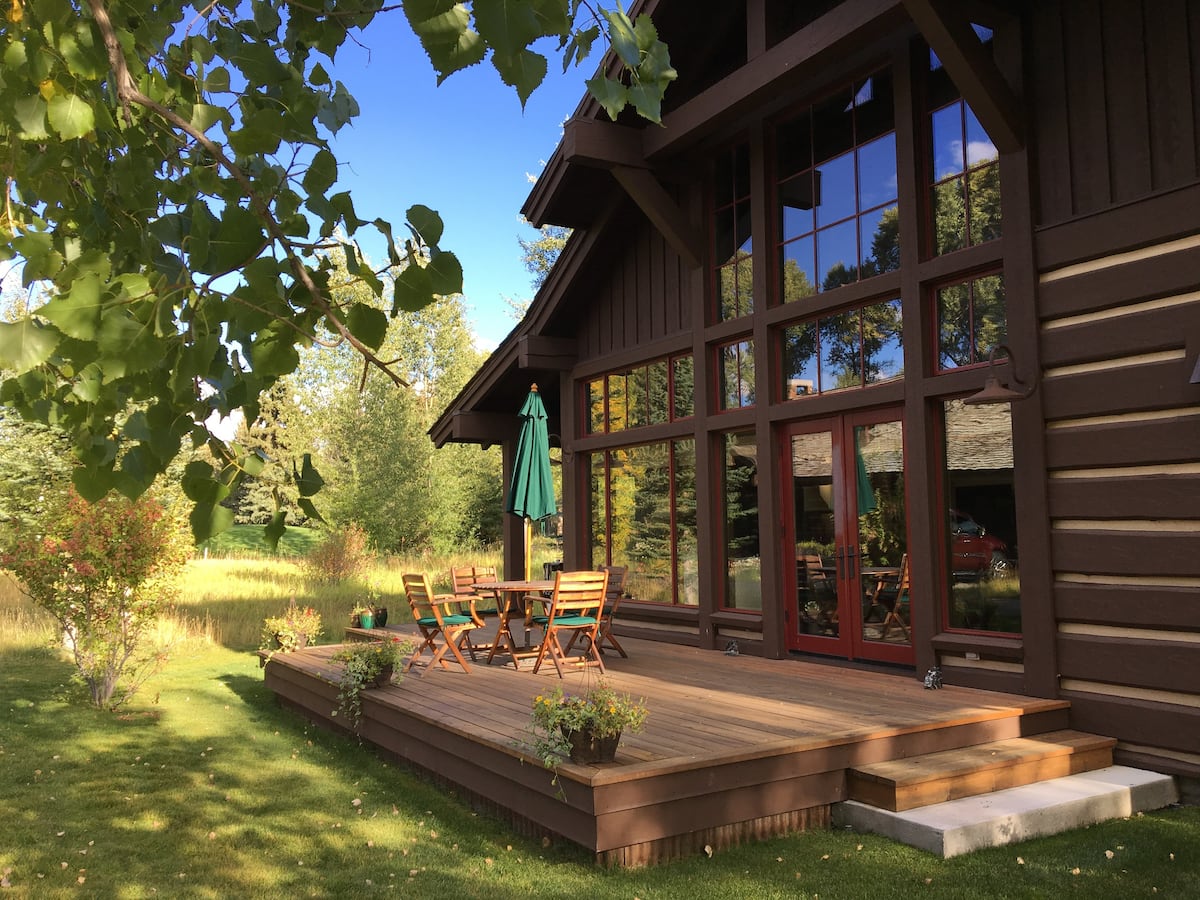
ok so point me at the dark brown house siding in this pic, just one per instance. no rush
(1116, 101)
(1116, 110)
(643, 296)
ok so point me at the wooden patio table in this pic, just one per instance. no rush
(511, 600)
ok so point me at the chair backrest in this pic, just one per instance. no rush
(420, 597)
(462, 581)
(902, 582)
(616, 581)
(813, 567)
(579, 593)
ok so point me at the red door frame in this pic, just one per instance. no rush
(849, 643)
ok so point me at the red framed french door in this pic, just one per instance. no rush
(846, 537)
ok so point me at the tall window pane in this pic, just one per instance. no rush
(981, 530)
(972, 319)
(732, 248)
(964, 169)
(743, 570)
(642, 515)
(735, 367)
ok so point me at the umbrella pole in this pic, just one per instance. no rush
(528, 545)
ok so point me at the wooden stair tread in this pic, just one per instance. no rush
(968, 771)
(948, 763)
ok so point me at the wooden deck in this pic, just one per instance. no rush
(735, 747)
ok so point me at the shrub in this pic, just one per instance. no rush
(345, 554)
(104, 570)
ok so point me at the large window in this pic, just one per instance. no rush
(642, 511)
(981, 532)
(965, 173)
(850, 349)
(649, 394)
(739, 478)
(835, 186)
(733, 262)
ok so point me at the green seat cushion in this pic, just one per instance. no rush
(574, 620)
(430, 621)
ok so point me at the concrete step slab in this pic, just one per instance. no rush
(1016, 814)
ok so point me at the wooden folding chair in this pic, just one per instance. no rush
(612, 600)
(441, 630)
(574, 607)
(890, 595)
(463, 581)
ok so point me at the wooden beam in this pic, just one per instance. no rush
(974, 72)
(535, 351)
(843, 29)
(663, 212)
(482, 428)
(589, 142)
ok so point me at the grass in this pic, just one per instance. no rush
(204, 787)
(248, 540)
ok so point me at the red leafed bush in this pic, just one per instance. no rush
(104, 570)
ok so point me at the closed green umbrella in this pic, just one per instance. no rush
(531, 493)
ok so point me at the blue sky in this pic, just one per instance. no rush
(463, 149)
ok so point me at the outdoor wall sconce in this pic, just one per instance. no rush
(995, 392)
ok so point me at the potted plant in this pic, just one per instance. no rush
(367, 664)
(375, 604)
(584, 728)
(294, 630)
(362, 617)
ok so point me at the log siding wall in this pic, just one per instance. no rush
(1116, 114)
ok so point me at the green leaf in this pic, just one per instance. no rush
(25, 344)
(308, 479)
(443, 28)
(368, 324)
(609, 94)
(205, 116)
(216, 81)
(524, 71)
(413, 290)
(273, 352)
(309, 508)
(92, 483)
(31, 116)
(237, 240)
(70, 116)
(208, 520)
(623, 37)
(253, 463)
(426, 223)
(77, 312)
(445, 274)
(321, 174)
(275, 528)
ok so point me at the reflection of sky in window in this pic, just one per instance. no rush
(838, 244)
(948, 150)
(877, 171)
(981, 31)
(979, 146)
(836, 178)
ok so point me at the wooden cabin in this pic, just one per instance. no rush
(760, 347)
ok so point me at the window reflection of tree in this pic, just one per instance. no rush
(972, 319)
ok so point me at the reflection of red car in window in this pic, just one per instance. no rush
(974, 551)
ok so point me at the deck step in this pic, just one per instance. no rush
(1016, 814)
(917, 781)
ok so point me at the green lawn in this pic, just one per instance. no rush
(248, 540)
(204, 787)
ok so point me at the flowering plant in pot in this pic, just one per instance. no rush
(366, 664)
(584, 728)
(298, 627)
